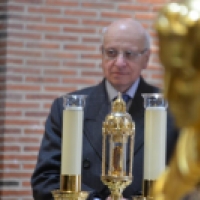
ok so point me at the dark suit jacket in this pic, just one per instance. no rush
(46, 176)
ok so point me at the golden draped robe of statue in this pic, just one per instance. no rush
(178, 28)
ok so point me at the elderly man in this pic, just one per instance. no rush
(125, 53)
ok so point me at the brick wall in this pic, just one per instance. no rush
(3, 31)
(52, 49)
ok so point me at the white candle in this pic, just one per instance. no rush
(154, 142)
(72, 141)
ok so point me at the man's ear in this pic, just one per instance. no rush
(146, 58)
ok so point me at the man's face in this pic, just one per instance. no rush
(123, 58)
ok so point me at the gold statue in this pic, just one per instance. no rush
(178, 28)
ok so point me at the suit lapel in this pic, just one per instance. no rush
(98, 106)
(137, 112)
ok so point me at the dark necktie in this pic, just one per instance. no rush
(126, 97)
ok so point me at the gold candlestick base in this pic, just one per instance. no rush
(147, 186)
(116, 185)
(70, 189)
(69, 195)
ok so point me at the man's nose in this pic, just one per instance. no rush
(120, 60)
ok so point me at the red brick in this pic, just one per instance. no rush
(3, 44)
(21, 105)
(115, 15)
(134, 7)
(61, 37)
(24, 53)
(10, 139)
(33, 131)
(91, 56)
(2, 61)
(80, 13)
(92, 74)
(20, 157)
(78, 80)
(96, 22)
(79, 29)
(23, 87)
(15, 8)
(156, 62)
(24, 35)
(10, 148)
(40, 80)
(10, 96)
(10, 166)
(44, 10)
(2, 87)
(13, 43)
(59, 88)
(47, 105)
(3, 8)
(79, 64)
(157, 76)
(157, 8)
(21, 70)
(13, 113)
(14, 60)
(23, 18)
(91, 40)
(154, 50)
(145, 16)
(80, 47)
(62, 3)
(11, 79)
(28, 1)
(15, 192)
(43, 63)
(20, 122)
(97, 5)
(26, 184)
(40, 96)
(10, 131)
(60, 55)
(42, 28)
(36, 114)
(60, 20)
(152, 1)
(2, 79)
(3, 26)
(13, 27)
(31, 149)
(60, 72)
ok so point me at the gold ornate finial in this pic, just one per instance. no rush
(119, 104)
(118, 121)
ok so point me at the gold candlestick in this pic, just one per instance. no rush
(70, 178)
(118, 144)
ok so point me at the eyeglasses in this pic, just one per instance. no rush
(112, 53)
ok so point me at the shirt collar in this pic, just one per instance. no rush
(112, 92)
